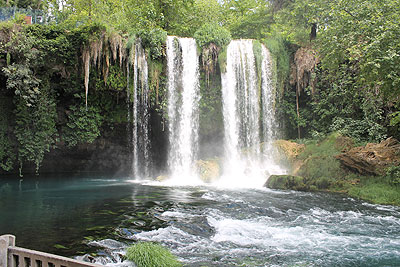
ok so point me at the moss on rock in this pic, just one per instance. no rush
(287, 182)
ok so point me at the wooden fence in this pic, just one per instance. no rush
(12, 256)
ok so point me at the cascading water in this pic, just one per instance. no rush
(267, 104)
(139, 95)
(183, 106)
(247, 123)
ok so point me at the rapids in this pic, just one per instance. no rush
(202, 225)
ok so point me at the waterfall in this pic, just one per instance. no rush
(248, 115)
(138, 94)
(267, 102)
(183, 105)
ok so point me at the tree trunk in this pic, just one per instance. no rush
(298, 112)
(313, 33)
(90, 9)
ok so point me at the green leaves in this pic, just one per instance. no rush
(83, 125)
(35, 127)
(154, 40)
(212, 33)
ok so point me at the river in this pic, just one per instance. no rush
(98, 217)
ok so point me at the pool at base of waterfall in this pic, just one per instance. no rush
(97, 218)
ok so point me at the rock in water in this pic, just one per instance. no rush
(373, 159)
(287, 182)
(208, 170)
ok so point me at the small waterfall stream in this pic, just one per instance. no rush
(267, 104)
(183, 106)
(138, 94)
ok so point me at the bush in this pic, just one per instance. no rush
(393, 175)
(212, 33)
(83, 125)
(147, 254)
(154, 40)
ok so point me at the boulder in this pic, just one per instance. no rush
(287, 182)
(373, 159)
(289, 149)
(162, 178)
(208, 170)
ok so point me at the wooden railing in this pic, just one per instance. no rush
(12, 256)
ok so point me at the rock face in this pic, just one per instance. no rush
(289, 149)
(208, 170)
(287, 182)
(372, 159)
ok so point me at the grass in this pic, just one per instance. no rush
(322, 172)
(148, 254)
(376, 190)
(320, 149)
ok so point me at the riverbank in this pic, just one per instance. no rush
(336, 164)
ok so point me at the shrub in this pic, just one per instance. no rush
(148, 254)
(154, 40)
(393, 175)
(212, 33)
(83, 125)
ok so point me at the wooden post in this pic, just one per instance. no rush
(5, 242)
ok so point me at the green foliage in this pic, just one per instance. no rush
(281, 59)
(340, 107)
(116, 80)
(204, 12)
(35, 112)
(148, 254)
(326, 147)
(376, 190)
(154, 40)
(19, 18)
(258, 57)
(211, 118)
(83, 125)
(393, 175)
(212, 33)
(367, 31)
(255, 23)
(157, 86)
(321, 167)
(295, 20)
(395, 118)
(35, 127)
(22, 81)
(7, 153)
(287, 111)
(222, 57)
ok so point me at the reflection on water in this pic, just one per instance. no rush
(204, 226)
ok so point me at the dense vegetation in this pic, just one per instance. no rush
(337, 66)
(316, 168)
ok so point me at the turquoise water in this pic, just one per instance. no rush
(98, 217)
